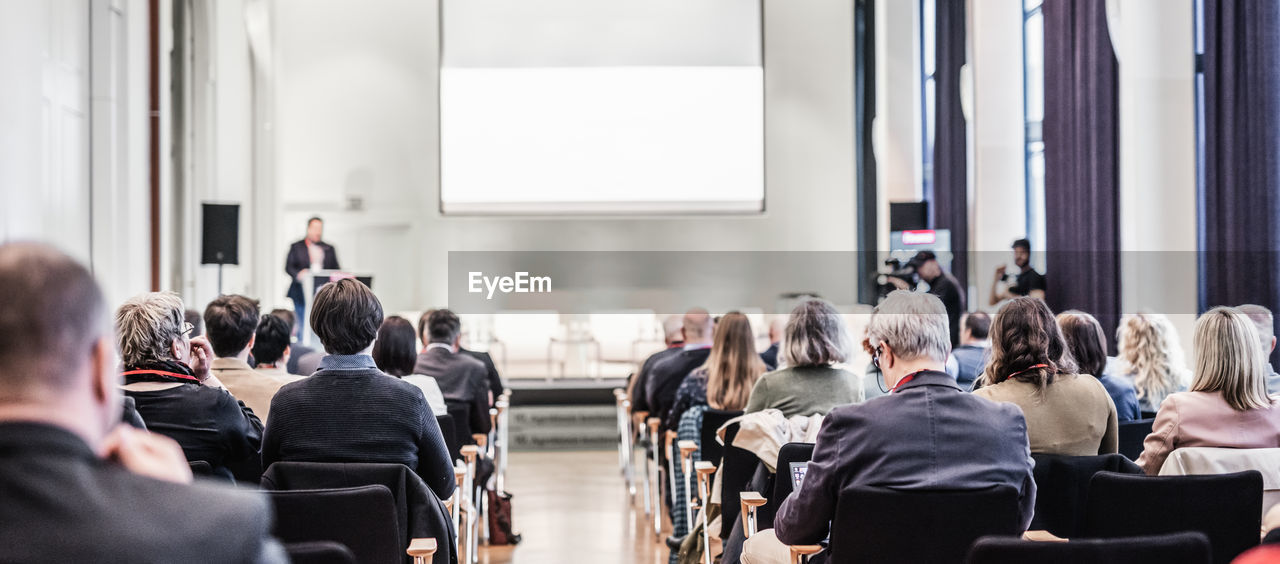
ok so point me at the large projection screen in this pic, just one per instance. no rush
(601, 106)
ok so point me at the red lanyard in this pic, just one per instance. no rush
(905, 379)
(1026, 370)
(162, 373)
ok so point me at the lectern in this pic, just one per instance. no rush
(311, 285)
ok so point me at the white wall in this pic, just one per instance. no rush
(72, 134)
(355, 140)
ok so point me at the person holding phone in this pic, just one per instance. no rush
(1027, 282)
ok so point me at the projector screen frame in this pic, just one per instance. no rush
(588, 209)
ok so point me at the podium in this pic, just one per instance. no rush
(311, 284)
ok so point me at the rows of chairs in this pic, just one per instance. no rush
(1100, 508)
(324, 510)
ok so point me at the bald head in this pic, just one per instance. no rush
(698, 326)
(672, 329)
(51, 316)
(1264, 322)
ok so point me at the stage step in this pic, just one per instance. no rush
(563, 427)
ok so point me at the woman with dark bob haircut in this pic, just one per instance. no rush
(395, 351)
(1067, 413)
(1088, 346)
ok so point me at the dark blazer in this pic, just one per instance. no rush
(462, 379)
(639, 388)
(358, 415)
(209, 423)
(665, 379)
(299, 259)
(971, 360)
(299, 350)
(926, 435)
(495, 381)
(64, 504)
(770, 356)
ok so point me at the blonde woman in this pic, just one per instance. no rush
(1228, 404)
(1151, 357)
(724, 382)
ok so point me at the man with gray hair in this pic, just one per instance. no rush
(87, 488)
(1265, 322)
(673, 336)
(926, 434)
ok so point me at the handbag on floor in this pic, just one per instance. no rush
(500, 530)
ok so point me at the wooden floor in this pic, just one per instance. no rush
(572, 508)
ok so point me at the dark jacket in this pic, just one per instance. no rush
(462, 379)
(64, 504)
(639, 388)
(770, 356)
(972, 359)
(665, 379)
(926, 435)
(495, 381)
(209, 423)
(358, 415)
(299, 259)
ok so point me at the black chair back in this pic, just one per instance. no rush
(450, 433)
(346, 516)
(737, 465)
(418, 513)
(1132, 433)
(319, 552)
(1227, 508)
(712, 420)
(461, 414)
(782, 481)
(1062, 488)
(1176, 548)
(883, 525)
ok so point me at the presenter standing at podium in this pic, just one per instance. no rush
(305, 256)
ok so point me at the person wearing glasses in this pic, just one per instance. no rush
(925, 434)
(166, 372)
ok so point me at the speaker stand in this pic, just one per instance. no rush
(219, 279)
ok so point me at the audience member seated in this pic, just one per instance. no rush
(168, 375)
(349, 411)
(1088, 346)
(925, 435)
(1066, 413)
(770, 355)
(731, 370)
(303, 360)
(196, 320)
(815, 339)
(496, 387)
(1263, 321)
(975, 345)
(395, 352)
(673, 336)
(272, 348)
(80, 487)
(232, 323)
(461, 378)
(665, 378)
(1228, 404)
(1151, 357)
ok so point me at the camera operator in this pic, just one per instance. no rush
(941, 284)
(1028, 282)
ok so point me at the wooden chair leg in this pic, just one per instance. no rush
(657, 499)
(470, 453)
(687, 448)
(705, 471)
(800, 553)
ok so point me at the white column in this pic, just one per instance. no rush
(1154, 43)
(896, 130)
(999, 138)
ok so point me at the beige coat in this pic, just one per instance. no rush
(254, 388)
(1075, 416)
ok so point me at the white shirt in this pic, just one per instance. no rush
(431, 390)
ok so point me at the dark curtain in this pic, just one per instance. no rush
(1082, 173)
(1241, 205)
(950, 170)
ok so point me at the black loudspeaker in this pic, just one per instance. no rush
(908, 216)
(221, 231)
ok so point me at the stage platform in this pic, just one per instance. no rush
(564, 414)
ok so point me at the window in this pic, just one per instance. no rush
(1198, 23)
(1033, 106)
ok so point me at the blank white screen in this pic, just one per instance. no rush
(629, 120)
